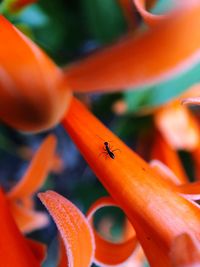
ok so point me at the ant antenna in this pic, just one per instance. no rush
(102, 139)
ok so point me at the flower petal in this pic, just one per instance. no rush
(128, 10)
(146, 58)
(119, 253)
(178, 126)
(185, 251)
(148, 17)
(63, 259)
(14, 250)
(73, 227)
(165, 172)
(28, 220)
(37, 172)
(191, 100)
(164, 152)
(190, 188)
(38, 249)
(32, 93)
(196, 159)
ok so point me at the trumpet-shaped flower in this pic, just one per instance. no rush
(155, 206)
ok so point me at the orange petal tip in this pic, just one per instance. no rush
(73, 227)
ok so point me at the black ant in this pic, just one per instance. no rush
(108, 150)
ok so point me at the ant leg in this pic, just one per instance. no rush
(116, 150)
(105, 153)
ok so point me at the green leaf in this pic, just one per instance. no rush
(158, 94)
(162, 6)
(104, 19)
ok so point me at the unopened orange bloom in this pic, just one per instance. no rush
(153, 204)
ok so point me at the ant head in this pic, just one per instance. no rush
(106, 143)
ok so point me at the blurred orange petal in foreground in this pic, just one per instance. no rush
(35, 93)
(15, 250)
(20, 197)
(32, 93)
(153, 204)
(148, 57)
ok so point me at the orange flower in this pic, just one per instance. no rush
(34, 92)
(20, 197)
(178, 125)
(146, 58)
(15, 249)
(154, 205)
(78, 238)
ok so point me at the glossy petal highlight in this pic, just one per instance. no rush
(191, 101)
